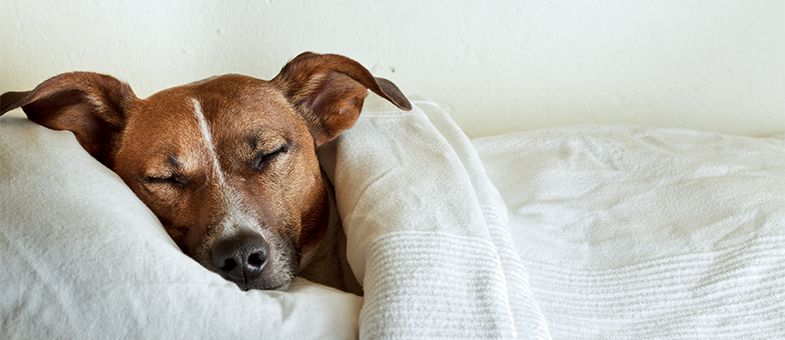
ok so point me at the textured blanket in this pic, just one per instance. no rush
(644, 233)
(427, 231)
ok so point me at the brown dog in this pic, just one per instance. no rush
(228, 164)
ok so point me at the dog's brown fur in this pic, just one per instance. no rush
(226, 156)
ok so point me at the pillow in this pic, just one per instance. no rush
(82, 257)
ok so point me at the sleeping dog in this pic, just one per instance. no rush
(227, 164)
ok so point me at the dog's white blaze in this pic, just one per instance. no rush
(236, 215)
(207, 138)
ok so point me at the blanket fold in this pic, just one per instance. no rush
(427, 231)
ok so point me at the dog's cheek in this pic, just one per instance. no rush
(306, 191)
(314, 222)
(178, 236)
(180, 221)
(284, 226)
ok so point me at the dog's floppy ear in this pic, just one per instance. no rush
(328, 91)
(90, 105)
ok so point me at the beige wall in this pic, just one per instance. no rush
(496, 66)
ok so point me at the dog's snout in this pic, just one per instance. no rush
(240, 258)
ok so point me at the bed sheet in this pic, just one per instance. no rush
(632, 232)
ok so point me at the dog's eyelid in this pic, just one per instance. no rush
(266, 140)
(174, 180)
(263, 158)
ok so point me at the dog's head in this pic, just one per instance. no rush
(228, 164)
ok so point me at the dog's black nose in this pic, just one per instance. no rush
(240, 258)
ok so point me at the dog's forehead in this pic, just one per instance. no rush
(230, 95)
(228, 103)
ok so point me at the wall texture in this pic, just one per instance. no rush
(496, 66)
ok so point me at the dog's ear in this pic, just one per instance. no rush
(328, 91)
(90, 105)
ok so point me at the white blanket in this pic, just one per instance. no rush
(427, 231)
(644, 233)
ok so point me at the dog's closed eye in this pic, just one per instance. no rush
(265, 158)
(170, 180)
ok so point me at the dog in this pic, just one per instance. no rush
(228, 164)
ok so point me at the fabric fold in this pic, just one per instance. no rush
(427, 232)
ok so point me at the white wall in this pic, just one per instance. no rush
(496, 66)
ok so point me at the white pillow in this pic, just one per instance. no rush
(82, 257)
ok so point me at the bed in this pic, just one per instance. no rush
(578, 232)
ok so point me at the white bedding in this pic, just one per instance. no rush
(595, 232)
(427, 232)
(644, 233)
